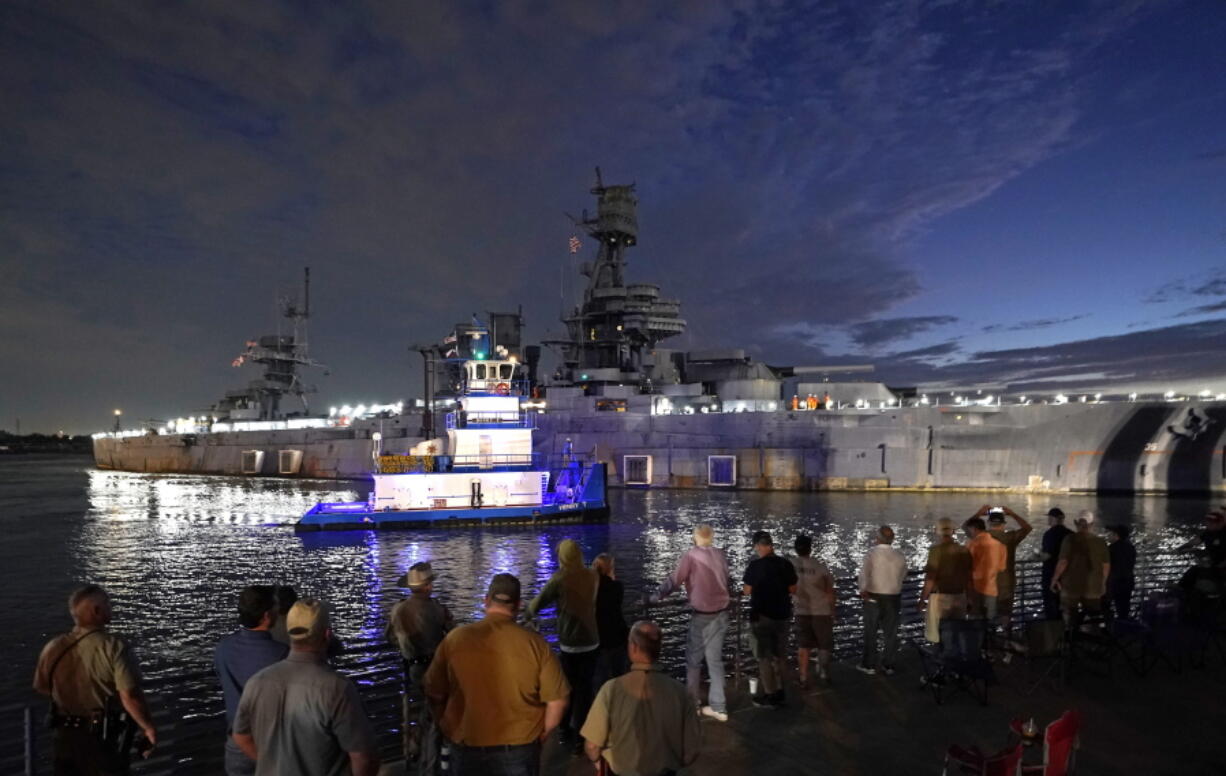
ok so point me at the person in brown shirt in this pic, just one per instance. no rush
(947, 578)
(496, 689)
(89, 672)
(416, 625)
(1081, 573)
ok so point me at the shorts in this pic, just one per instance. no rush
(815, 631)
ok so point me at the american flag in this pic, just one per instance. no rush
(575, 245)
(238, 361)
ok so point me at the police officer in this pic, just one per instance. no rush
(416, 625)
(94, 684)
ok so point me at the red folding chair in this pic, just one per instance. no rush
(959, 761)
(1060, 742)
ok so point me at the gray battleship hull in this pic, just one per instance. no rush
(1108, 447)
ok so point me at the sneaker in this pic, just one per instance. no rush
(718, 716)
(866, 669)
(888, 670)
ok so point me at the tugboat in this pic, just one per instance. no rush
(484, 471)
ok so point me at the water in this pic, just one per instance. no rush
(173, 550)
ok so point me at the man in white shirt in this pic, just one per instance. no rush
(881, 579)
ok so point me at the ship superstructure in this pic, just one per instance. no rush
(690, 419)
(614, 332)
(281, 355)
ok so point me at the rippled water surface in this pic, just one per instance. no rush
(173, 550)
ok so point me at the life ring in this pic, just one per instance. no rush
(502, 389)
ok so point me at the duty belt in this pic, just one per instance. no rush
(75, 721)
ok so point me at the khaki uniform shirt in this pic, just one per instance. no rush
(493, 679)
(93, 671)
(949, 564)
(644, 723)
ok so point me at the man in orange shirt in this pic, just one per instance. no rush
(988, 559)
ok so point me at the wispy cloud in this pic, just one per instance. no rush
(1039, 323)
(873, 334)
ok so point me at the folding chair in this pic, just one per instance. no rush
(1061, 740)
(1046, 652)
(958, 662)
(971, 761)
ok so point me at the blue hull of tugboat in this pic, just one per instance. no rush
(590, 507)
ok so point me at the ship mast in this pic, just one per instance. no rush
(618, 324)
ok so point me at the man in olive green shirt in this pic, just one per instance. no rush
(947, 578)
(89, 672)
(496, 689)
(1081, 573)
(642, 723)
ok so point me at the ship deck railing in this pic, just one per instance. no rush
(191, 726)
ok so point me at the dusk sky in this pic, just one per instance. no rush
(960, 193)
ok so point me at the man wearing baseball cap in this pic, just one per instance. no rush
(496, 689)
(769, 581)
(1053, 538)
(416, 626)
(299, 716)
(1081, 573)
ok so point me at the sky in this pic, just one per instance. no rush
(1028, 194)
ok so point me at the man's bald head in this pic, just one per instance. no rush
(645, 640)
(90, 606)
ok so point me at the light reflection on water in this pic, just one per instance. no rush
(174, 549)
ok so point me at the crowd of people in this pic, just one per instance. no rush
(482, 697)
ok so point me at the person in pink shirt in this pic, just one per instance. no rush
(703, 571)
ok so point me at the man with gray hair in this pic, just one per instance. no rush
(93, 680)
(703, 571)
(881, 578)
(299, 716)
(642, 723)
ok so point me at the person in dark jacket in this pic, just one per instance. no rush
(612, 660)
(1122, 577)
(1053, 537)
(573, 588)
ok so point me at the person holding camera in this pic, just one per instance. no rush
(93, 680)
(1006, 581)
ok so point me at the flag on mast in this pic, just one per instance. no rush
(575, 245)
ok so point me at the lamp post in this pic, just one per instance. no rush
(118, 414)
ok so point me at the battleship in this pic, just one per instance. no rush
(666, 418)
